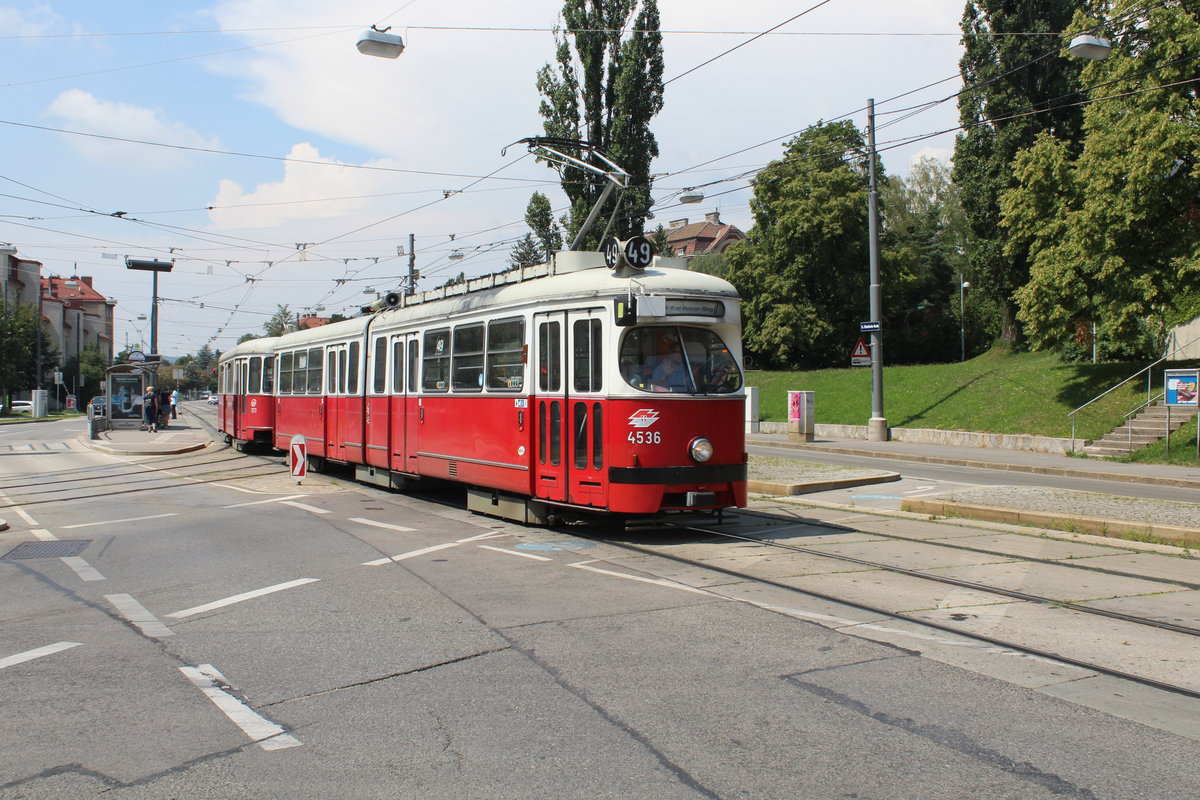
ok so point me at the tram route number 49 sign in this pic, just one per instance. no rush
(298, 457)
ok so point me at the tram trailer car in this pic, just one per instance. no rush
(246, 412)
(553, 391)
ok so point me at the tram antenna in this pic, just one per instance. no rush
(550, 148)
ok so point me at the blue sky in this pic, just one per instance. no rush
(318, 145)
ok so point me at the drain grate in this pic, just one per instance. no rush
(59, 549)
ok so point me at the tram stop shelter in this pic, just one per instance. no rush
(124, 386)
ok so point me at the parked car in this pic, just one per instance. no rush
(20, 407)
(213, 399)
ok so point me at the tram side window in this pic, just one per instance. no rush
(254, 384)
(586, 362)
(237, 377)
(436, 366)
(268, 375)
(414, 363)
(468, 358)
(397, 366)
(506, 354)
(314, 371)
(549, 338)
(379, 367)
(331, 371)
(353, 367)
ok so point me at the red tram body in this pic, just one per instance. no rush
(549, 390)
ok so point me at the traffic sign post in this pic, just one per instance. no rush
(298, 457)
(860, 356)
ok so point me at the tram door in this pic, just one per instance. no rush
(376, 428)
(584, 410)
(335, 383)
(406, 411)
(549, 408)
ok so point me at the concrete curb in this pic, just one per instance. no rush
(142, 450)
(792, 489)
(1044, 519)
(966, 462)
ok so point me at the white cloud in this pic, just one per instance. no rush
(37, 20)
(340, 190)
(81, 111)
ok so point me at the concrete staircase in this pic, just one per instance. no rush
(1146, 428)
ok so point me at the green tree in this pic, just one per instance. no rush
(279, 323)
(662, 245)
(802, 272)
(525, 253)
(18, 349)
(91, 367)
(1114, 231)
(540, 219)
(605, 87)
(1007, 78)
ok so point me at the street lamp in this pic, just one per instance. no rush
(1089, 47)
(380, 43)
(962, 320)
(877, 427)
(154, 267)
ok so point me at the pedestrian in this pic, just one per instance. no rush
(150, 409)
(164, 408)
(175, 403)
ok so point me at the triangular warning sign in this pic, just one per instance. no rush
(860, 350)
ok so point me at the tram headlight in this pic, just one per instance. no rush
(700, 450)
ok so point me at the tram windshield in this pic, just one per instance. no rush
(680, 359)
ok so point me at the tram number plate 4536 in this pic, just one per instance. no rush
(645, 437)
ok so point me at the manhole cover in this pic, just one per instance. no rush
(58, 549)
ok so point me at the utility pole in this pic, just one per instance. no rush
(877, 427)
(412, 266)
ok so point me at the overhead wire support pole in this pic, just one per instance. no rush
(617, 177)
(877, 427)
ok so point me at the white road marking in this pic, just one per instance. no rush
(411, 554)
(136, 613)
(655, 581)
(514, 553)
(116, 521)
(362, 521)
(918, 489)
(20, 512)
(82, 568)
(237, 598)
(44, 535)
(272, 500)
(260, 729)
(488, 535)
(303, 507)
(30, 655)
(239, 488)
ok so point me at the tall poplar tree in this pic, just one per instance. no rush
(605, 87)
(1007, 77)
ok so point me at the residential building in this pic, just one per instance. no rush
(709, 236)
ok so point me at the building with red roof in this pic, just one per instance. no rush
(710, 236)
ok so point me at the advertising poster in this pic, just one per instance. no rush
(1181, 386)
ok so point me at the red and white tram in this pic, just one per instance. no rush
(554, 389)
(246, 408)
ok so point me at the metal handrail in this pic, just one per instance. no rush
(1122, 383)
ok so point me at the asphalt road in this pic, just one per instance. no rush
(218, 632)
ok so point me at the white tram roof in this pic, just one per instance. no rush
(570, 277)
(252, 347)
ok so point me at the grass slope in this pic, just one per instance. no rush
(997, 392)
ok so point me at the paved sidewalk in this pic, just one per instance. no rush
(181, 436)
(1057, 509)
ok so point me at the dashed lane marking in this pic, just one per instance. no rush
(514, 553)
(303, 507)
(30, 655)
(271, 500)
(238, 598)
(136, 613)
(374, 524)
(212, 683)
(82, 568)
(115, 521)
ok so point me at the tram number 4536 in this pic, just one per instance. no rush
(645, 437)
